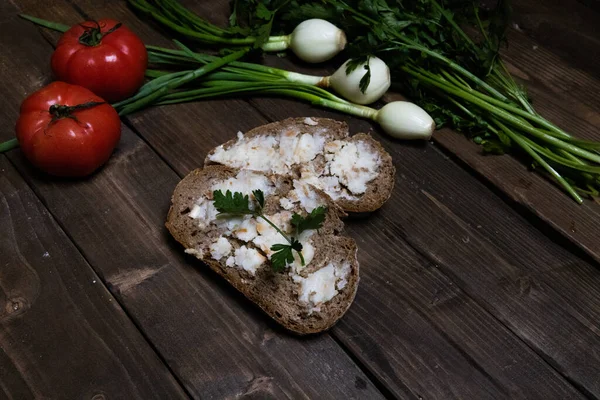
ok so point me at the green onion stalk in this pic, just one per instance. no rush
(176, 17)
(399, 119)
(313, 41)
(572, 152)
(226, 76)
(548, 146)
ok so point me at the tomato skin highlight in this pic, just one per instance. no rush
(113, 68)
(70, 146)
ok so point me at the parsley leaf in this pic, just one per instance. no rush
(314, 220)
(353, 64)
(296, 245)
(284, 254)
(301, 11)
(365, 80)
(282, 257)
(231, 203)
(263, 12)
(263, 31)
(239, 204)
(260, 197)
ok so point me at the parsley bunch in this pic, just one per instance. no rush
(444, 55)
(237, 204)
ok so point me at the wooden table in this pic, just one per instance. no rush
(479, 279)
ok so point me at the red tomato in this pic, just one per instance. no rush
(66, 130)
(103, 56)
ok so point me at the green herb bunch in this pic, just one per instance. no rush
(237, 204)
(444, 55)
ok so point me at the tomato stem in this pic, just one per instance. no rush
(59, 111)
(92, 35)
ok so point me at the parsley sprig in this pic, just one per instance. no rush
(353, 64)
(230, 204)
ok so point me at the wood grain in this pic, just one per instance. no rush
(214, 340)
(423, 212)
(218, 345)
(62, 335)
(405, 291)
(464, 302)
(569, 28)
(386, 356)
(22, 50)
(368, 325)
(540, 330)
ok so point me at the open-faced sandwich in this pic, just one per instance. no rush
(264, 213)
(304, 276)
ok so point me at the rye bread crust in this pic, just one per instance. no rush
(275, 293)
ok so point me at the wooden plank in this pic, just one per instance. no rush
(269, 108)
(62, 335)
(216, 343)
(197, 131)
(441, 385)
(461, 378)
(405, 289)
(407, 350)
(417, 213)
(22, 49)
(569, 28)
(569, 98)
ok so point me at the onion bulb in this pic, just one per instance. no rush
(314, 40)
(348, 85)
(405, 120)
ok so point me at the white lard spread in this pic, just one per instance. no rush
(318, 287)
(349, 166)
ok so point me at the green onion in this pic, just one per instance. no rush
(313, 41)
(9, 145)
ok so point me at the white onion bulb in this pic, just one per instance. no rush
(316, 40)
(348, 85)
(405, 120)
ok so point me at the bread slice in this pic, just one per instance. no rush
(305, 299)
(356, 172)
